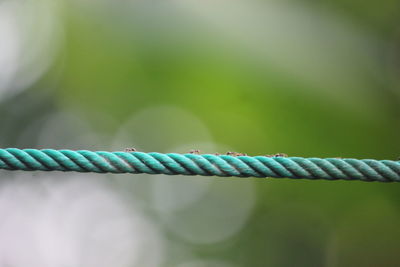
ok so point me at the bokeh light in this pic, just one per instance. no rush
(30, 33)
(72, 221)
(304, 78)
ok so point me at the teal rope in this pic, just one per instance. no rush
(206, 164)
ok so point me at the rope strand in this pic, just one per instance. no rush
(205, 164)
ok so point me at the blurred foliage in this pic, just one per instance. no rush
(118, 59)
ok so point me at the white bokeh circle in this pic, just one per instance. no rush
(72, 220)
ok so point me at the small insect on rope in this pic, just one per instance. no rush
(233, 164)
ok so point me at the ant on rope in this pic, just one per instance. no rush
(235, 154)
(278, 155)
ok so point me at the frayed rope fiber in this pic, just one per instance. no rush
(205, 164)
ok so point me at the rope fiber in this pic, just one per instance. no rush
(205, 164)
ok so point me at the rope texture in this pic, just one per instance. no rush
(205, 165)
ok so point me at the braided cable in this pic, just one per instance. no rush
(205, 164)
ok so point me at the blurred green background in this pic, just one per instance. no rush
(305, 78)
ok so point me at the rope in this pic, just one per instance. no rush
(205, 164)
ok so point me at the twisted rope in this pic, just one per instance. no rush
(206, 164)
